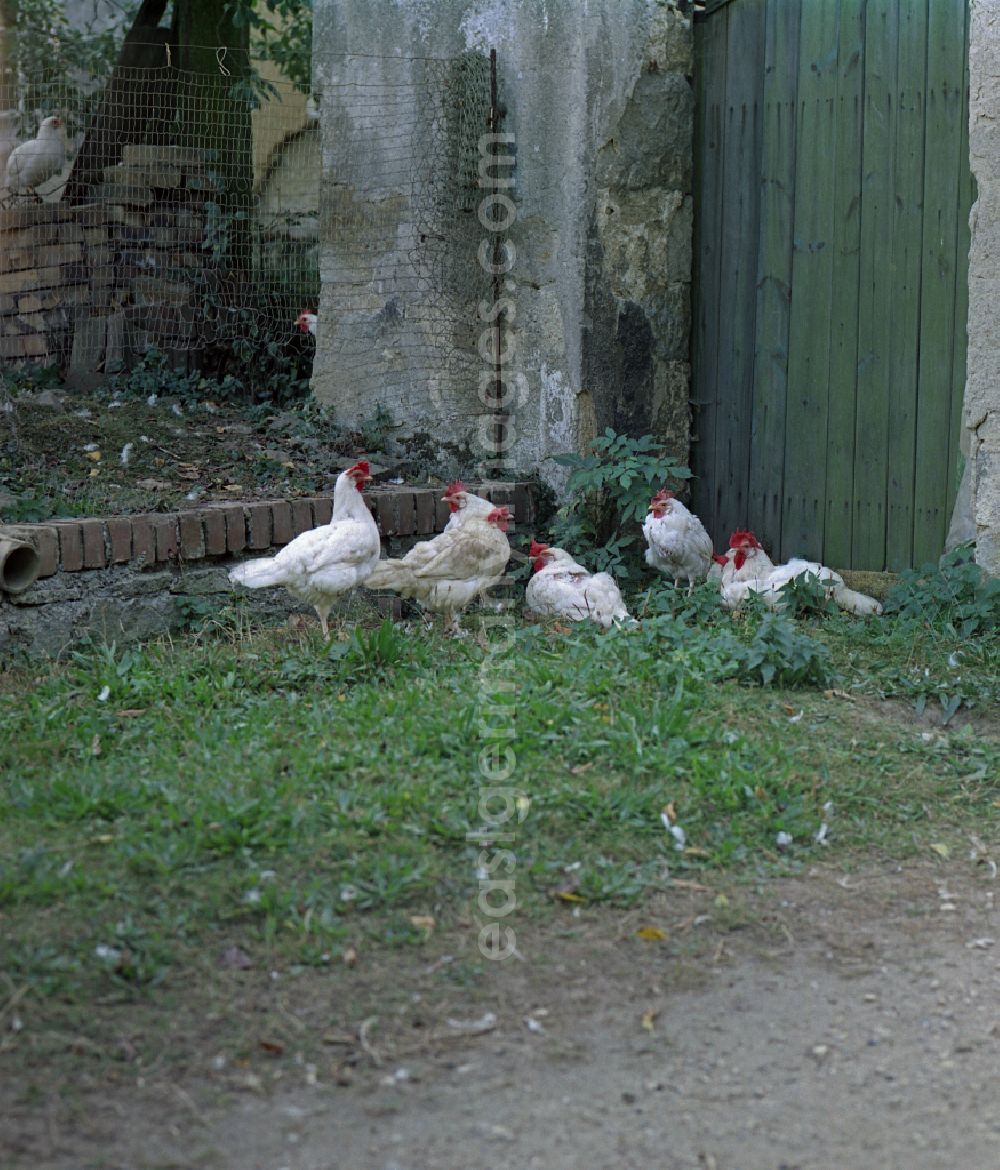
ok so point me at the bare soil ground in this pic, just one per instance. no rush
(831, 1021)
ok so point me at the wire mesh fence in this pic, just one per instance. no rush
(180, 212)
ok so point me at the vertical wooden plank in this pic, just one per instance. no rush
(902, 280)
(872, 416)
(774, 271)
(740, 233)
(942, 168)
(804, 506)
(966, 199)
(842, 402)
(710, 80)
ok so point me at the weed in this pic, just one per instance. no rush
(609, 491)
(955, 594)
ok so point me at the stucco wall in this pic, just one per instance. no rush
(597, 96)
(981, 439)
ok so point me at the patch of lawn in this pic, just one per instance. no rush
(161, 801)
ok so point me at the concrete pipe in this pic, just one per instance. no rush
(19, 564)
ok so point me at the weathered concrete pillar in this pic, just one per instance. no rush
(596, 251)
(981, 413)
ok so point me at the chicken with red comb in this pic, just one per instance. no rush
(319, 565)
(676, 541)
(747, 569)
(446, 574)
(562, 588)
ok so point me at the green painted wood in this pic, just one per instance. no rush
(943, 169)
(842, 400)
(872, 416)
(711, 57)
(740, 226)
(902, 280)
(774, 271)
(967, 196)
(837, 436)
(804, 503)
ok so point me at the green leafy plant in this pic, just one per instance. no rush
(955, 594)
(609, 490)
(780, 654)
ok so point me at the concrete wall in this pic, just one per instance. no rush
(981, 421)
(598, 98)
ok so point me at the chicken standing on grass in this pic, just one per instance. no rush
(747, 569)
(446, 574)
(35, 162)
(677, 543)
(560, 587)
(320, 565)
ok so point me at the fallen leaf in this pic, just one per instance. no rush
(696, 851)
(234, 487)
(684, 884)
(651, 933)
(95, 456)
(274, 1047)
(423, 922)
(941, 850)
(95, 746)
(350, 957)
(569, 896)
(236, 959)
(648, 1018)
(836, 693)
(131, 712)
(154, 485)
(102, 839)
(788, 708)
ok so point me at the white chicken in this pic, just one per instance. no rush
(677, 543)
(35, 162)
(306, 322)
(447, 573)
(560, 587)
(321, 564)
(747, 569)
(463, 505)
(9, 122)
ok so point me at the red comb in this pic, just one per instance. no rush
(719, 559)
(743, 538)
(537, 549)
(454, 488)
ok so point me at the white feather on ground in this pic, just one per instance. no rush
(561, 587)
(320, 565)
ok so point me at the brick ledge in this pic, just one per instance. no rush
(222, 528)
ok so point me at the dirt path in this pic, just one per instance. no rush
(825, 1023)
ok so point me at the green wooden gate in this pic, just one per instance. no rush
(832, 196)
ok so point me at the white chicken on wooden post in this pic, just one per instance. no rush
(676, 541)
(36, 161)
(560, 587)
(319, 565)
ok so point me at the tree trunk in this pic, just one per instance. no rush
(8, 55)
(138, 106)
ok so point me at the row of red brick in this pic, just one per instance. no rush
(226, 528)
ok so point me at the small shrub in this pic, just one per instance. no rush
(780, 654)
(955, 594)
(609, 491)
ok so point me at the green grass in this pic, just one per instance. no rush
(294, 796)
